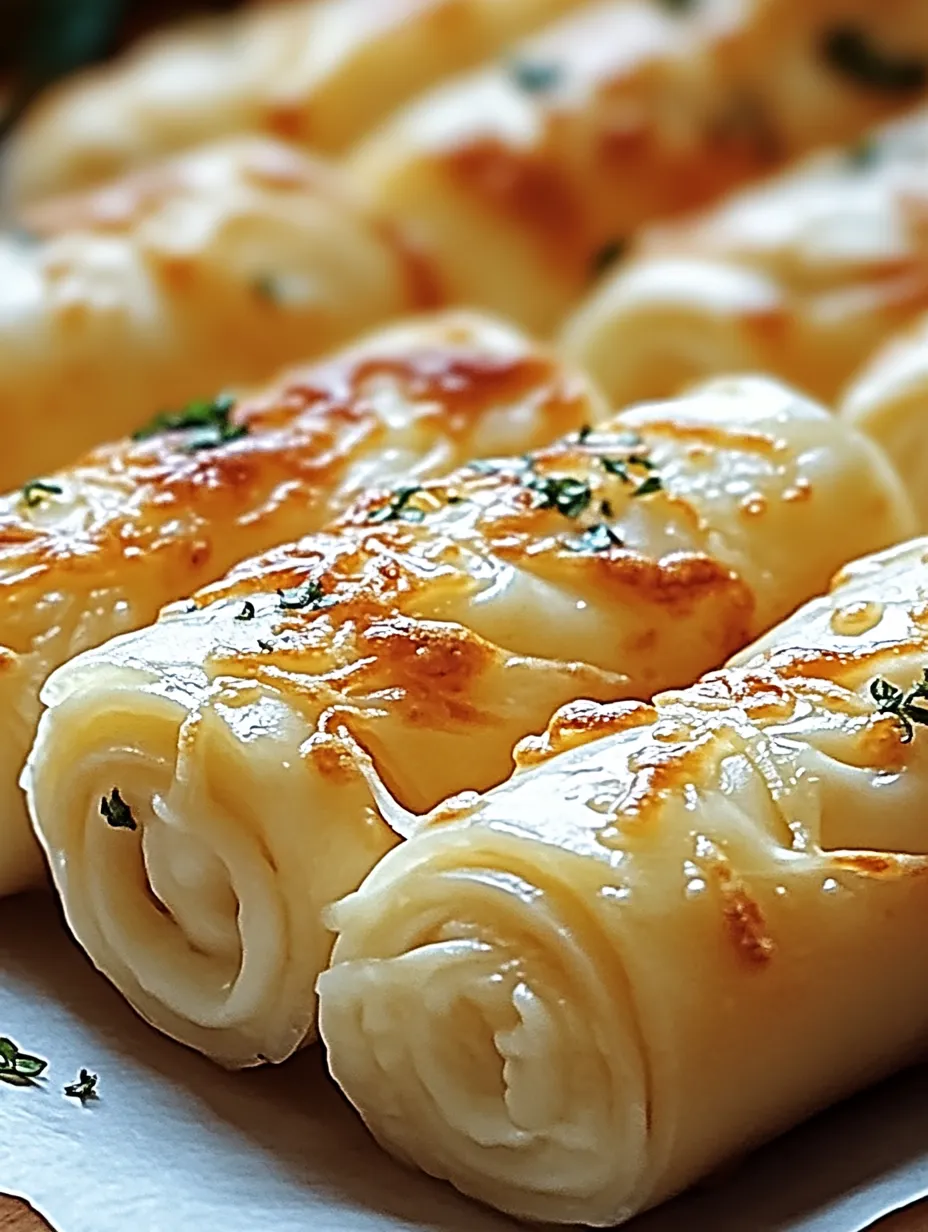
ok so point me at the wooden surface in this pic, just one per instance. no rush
(17, 1217)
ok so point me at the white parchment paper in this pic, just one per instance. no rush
(175, 1144)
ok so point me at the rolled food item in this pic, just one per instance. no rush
(677, 930)
(803, 276)
(204, 787)
(320, 72)
(888, 400)
(99, 548)
(212, 269)
(526, 177)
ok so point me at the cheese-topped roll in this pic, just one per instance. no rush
(678, 929)
(204, 787)
(526, 177)
(316, 71)
(97, 549)
(889, 401)
(214, 268)
(802, 276)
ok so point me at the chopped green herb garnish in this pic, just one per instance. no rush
(651, 485)
(598, 538)
(267, 286)
(584, 433)
(18, 1069)
(564, 493)
(85, 1088)
(206, 424)
(116, 812)
(265, 645)
(309, 594)
(620, 467)
(247, 612)
(863, 154)
(606, 256)
(907, 708)
(850, 50)
(535, 76)
(397, 507)
(36, 490)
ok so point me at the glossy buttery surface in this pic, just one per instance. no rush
(319, 72)
(524, 176)
(677, 930)
(190, 276)
(273, 742)
(803, 276)
(137, 524)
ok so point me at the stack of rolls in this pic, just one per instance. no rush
(212, 269)
(318, 72)
(204, 787)
(678, 929)
(802, 276)
(98, 548)
(274, 661)
(525, 178)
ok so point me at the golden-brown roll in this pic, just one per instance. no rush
(525, 177)
(320, 72)
(888, 400)
(209, 270)
(97, 549)
(676, 931)
(205, 786)
(803, 276)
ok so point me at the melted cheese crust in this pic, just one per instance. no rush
(319, 72)
(367, 671)
(802, 277)
(212, 269)
(643, 112)
(677, 930)
(139, 523)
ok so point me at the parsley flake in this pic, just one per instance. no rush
(907, 708)
(535, 76)
(564, 493)
(398, 508)
(84, 1088)
(597, 538)
(307, 595)
(18, 1069)
(606, 256)
(863, 154)
(205, 423)
(116, 812)
(247, 612)
(848, 49)
(36, 490)
(620, 467)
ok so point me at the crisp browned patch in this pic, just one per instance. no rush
(530, 190)
(745, 923)
(883, 865)
(579, 723)
(715, 436)
(332, 758)
(435, 666)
